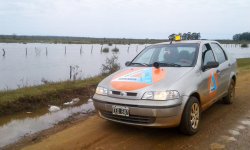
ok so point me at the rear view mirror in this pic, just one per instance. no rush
(210, 64)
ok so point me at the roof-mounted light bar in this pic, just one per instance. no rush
(184, 36)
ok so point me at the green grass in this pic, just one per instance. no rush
(13, 95)
(33, 97)
(243, 63)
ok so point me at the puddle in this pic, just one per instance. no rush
(13, 128)
(228, 138)
(234, 132)
(245, 122)
(241, 127)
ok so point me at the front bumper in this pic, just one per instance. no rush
(141, 112)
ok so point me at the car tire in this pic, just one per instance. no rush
(191, 117)
(231, 93)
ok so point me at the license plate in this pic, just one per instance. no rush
(120, 110)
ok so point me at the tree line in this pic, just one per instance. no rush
(74, 40)
(242, 36)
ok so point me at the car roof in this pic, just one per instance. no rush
(188, 41)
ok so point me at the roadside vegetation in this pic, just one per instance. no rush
(30, 98)
(110, 66)
(243, 64)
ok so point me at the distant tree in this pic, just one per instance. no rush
(184, 36)
(198, 36)
(189, 36)
(242, 36)
(171, 37)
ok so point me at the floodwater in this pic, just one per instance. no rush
(14, 127)
(50, 62)
(18, 69)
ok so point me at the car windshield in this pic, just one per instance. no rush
(168, 55)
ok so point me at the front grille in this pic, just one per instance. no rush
(126, 93)
(130, 119)
(116, 92)
(131, 94)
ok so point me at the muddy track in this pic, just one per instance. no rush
(216, 131)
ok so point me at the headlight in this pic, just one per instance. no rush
(158, 95)
(101, 91)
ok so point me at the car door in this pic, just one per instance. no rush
(209, 84)
(224, 68)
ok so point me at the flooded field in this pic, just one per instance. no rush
(35, 63)
(15, 127)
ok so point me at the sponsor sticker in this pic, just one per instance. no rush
(137, 78)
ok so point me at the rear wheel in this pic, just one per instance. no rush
(231, 93)
(191, 117)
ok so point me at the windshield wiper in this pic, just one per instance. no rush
(142, 64)
(170, 64)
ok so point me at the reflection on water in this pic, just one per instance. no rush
(14, 127)
(30, 64)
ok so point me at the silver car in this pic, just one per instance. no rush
(168, 85)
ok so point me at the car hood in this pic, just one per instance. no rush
(140, 79)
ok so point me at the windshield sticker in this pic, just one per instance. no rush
(137, 78)
(213, 83)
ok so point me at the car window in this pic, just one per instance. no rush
(206, 47)
(146, 58)
(182, 55)
(219, 53)
(208, 56)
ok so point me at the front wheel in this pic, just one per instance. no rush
(191, 117)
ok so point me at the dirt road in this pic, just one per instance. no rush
(222, 126)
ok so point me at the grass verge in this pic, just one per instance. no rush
(243, 63)
(30, 98)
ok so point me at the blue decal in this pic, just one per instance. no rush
(147, 76)
(213, 86)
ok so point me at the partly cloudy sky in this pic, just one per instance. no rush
(125, 18)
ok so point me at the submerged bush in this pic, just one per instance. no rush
(105, 50)
(244, 45)
(115, 49)
(111, 65)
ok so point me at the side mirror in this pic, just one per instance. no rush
(127, 63)
(210, 64)
(156, 65)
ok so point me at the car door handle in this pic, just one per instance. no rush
(229, 64)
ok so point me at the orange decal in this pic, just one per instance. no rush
(137, 78)
(213, 84)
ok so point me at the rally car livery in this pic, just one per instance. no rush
(168, 85)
